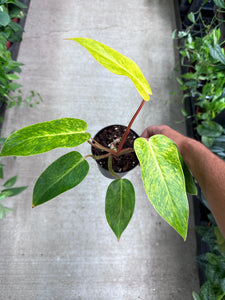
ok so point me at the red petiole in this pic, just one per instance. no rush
(129, 127)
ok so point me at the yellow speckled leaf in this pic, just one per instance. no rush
(163, 180)
(43, 137)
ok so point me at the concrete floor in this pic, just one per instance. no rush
(65, 249)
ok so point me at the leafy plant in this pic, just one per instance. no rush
(10, 10)
(203, 59)
(9, 191)
(213, 263)
(165, 176)
(10, 90)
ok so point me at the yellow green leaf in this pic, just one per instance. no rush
(43, 137)
(163, 180)
(117, 64)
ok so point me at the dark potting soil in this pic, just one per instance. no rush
(113, 134)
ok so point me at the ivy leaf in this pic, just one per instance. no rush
(163, 180)
(191, 17)
(117, 64)
(210, 129)
(63, 174)
(119, 205)
(208, 141)
(216, 53)
(219, 3)
(43, 137)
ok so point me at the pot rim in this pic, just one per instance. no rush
(105, 170)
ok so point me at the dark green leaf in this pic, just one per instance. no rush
(216, 53)
(202, 261)
(119, 205)
(4, 18)
(163, 180)
(207, 292)
(220, 240)
(212, 258)
(17, 3)
(10, 182)
(15, 26)
(208, 141)
(210, 129)
(13, 191)
(213, 274)
(16, 12)
(222, 286)
(1, 171)
(189, 181)
(220, 296)
(63, 174)
(46, 136)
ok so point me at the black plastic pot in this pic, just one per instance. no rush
(102, 164)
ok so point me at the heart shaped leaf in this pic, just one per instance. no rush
(163, 180)
(63, 174)
(42, 137)
(119, 205)
(210, 129)
(117, 64)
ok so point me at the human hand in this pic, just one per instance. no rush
(164, 130)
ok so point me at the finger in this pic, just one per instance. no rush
(148, 132)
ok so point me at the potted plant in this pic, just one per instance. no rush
(165, 176)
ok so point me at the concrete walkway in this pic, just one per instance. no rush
(65, 249)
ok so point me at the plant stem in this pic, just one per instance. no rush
(111, 169)
(129, 127)
(99, 146)
(97, 157)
